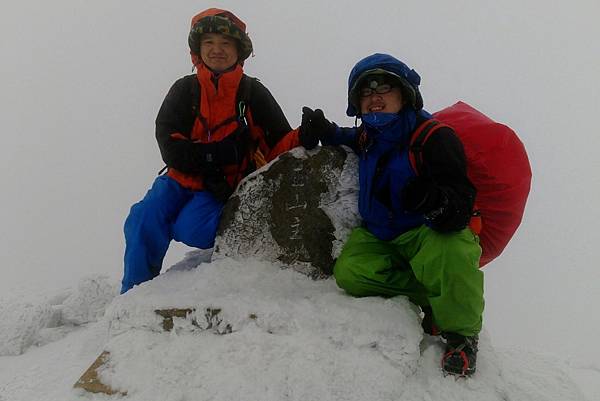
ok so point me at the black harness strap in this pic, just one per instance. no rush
(240, 135)
(242, 97)
(418, 141)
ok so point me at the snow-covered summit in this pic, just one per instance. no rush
(289, 338)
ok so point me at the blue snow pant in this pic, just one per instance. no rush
(168, 211)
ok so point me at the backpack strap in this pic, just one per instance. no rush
(419, 137)
(417, 141)
(242, 98)
(195, 94)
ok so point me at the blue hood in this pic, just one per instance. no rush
(390, 64)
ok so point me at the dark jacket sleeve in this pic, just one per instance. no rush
(173, 127)
(444, 162)
(267, 114)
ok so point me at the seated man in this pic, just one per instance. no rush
(414, 240)
(213, 128)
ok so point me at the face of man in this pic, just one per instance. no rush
(218, 52)
(378, 95)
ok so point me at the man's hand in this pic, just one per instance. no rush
(423, 196)
(314, 127)
(216, 183)
(230, 150)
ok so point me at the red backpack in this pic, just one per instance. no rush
(497, 165)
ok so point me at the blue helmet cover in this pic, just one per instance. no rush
(379, 62)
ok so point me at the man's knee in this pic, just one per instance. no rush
(134, 221)
(462, 245)
(196, 231)
(348, 280)
(196, 236)
(198, 221)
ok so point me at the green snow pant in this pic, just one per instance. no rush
(430, 268)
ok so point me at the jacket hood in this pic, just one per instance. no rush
(216, 20)
(383, 63)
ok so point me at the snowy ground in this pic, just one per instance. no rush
(291, 338)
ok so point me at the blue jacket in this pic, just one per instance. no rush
(384, 169)
(382, 142)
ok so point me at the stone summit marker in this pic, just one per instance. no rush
(298, 211)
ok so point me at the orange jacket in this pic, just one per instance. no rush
(181, 128)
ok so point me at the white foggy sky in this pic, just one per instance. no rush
(82, 82)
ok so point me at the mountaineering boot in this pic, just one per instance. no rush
(460, 356)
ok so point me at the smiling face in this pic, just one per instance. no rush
(379, 96)
(218, 52)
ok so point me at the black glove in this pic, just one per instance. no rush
(444, 212)
(422, 196)
(207, 156)
(314, 127)
(216, 183)
(213, 155)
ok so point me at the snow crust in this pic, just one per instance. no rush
(341, 203)
(278, 335)
(291, 337)
(40, 320)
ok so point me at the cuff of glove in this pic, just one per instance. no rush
(423, 197)
(446, 219)
(438, 212)
(308, 139)
(216, 183)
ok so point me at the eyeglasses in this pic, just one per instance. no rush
(379, 89)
